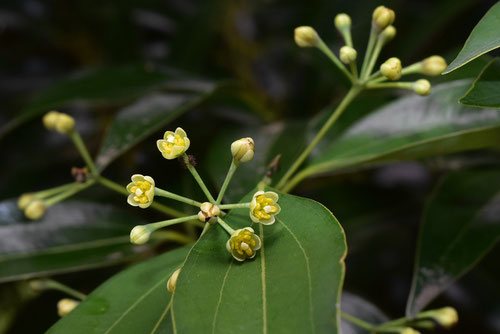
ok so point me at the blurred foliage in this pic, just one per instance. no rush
(249, 46)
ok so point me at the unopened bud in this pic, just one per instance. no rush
(408, 330)
(140, 234)
(422, 87)
(172, 281)
(342, 21)
(50, 119)
(65, 124)
(391, 68)
(383, 17)
(445, 317)
(35, 209)
(66, 305)
(434, 65)
(388, 34)
(207, 211)
(306, 36)
(347, 54)
(243, 149)
(24, 200)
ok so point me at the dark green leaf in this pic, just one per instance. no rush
(146, 116)
(460, 225)
(483, 38)
(485, 90)
(101, 86)
(72, 236)
(134, 301)
(291, 286)
(411, 128)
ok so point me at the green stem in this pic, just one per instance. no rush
(326, 50)
(48, 284)
(403, 85)
(122, 190)
(52, 191)
(198, 179)
(234, 206)
(225, 226)
(393, 323)
(412, 69)
(172, 236)
(368, 53)
(356, 321)
(168, 194)
(353, 92)
(229, 176)
(169, 222)
(80, 146)
(354, 71)
(373, 57)
(346, 33)
(68, 193)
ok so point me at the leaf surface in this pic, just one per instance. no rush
(485, 90)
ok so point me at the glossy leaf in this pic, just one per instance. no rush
(485, 90)
(411, 128)
(72, 236)
(291, 286)
(483, 38)
(94, 86)
(134, 301)
(460, 225)
(146, 116)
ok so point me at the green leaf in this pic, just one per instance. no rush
(72, 236)
(483, 38)
(97, 86)
(146, 116)
(134, 301)
(460, 225)
(485, 90)
(410, 128)
(291, 286)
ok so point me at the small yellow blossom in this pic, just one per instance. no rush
(264, 206)
(243, 244)
(347, 54)
(142, 191)
(342, 21)
(173, 144)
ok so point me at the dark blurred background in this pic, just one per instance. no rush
(250, 44)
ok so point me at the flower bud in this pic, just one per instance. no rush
(388, 34)
(243, 149)
(342, 21)
(140, 234)
(434, 65)
(65, 123)
(207, 211)
(66, 305)
(422, 87)
(446, 316)
(306, 36)
(24, 200)
(347, 54)
(391, 68)
(383, 17)
(50, 119)
(35, 209)
(409, 330)
(172, 281)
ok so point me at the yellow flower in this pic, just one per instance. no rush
(173, 144)
(243, 244)
(264, 207)
(142, 191)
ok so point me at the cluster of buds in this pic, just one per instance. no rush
(243, 243)
(382, 31)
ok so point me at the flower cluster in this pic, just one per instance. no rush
(243, 243)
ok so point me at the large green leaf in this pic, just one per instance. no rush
(410, 128)
(147, 116)
(460, 225)
(134, 301)
(72, 236)
(485, 90)
(94, 86)
(483, 38)
(291, 286)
